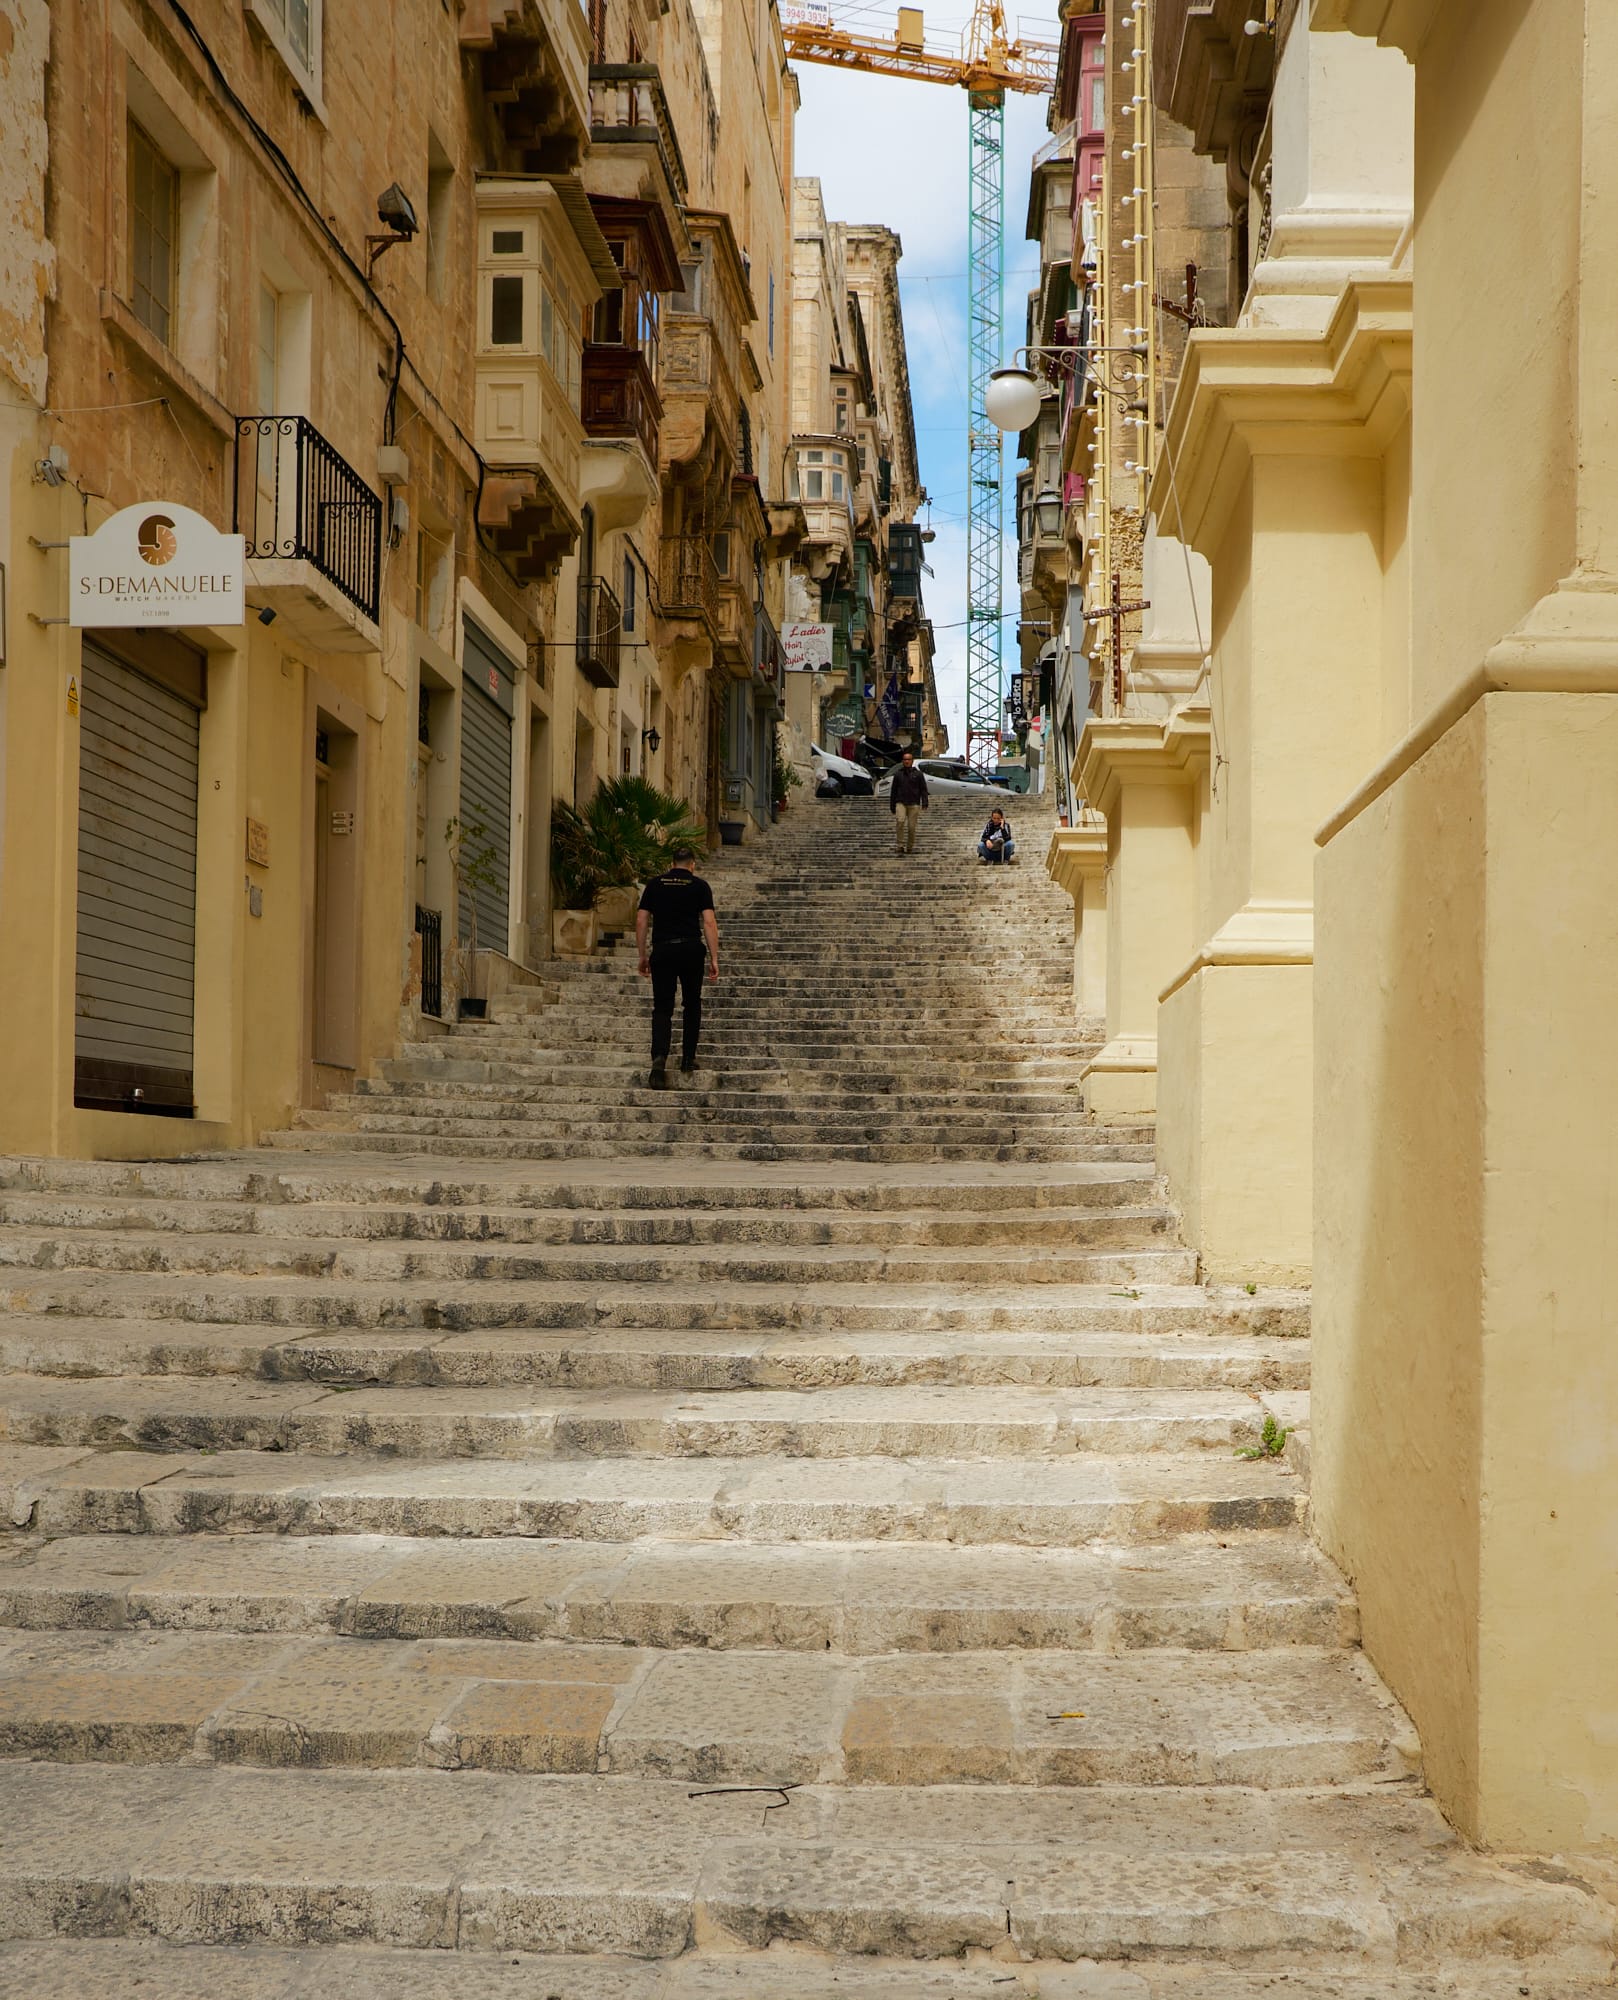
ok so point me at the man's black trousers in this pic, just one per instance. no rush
(677, 965)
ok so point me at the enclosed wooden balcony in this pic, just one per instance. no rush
(704, 364)
(537, 274)
(619, 398)
(690, 582)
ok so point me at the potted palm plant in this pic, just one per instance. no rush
(602, 852)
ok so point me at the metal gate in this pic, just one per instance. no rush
(135, 970)
(487, 704)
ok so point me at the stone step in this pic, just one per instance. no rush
(1109, 1222)
(375, 1261)
(987, 1067)
(1052, 1502)
(320, 1304)
(1298, 1717)
(1192, 1592)
(337, 1133)
(484, 1862)
(639, 1106)
(48, 1344)
(187, 1413)
(629, 1086)
(273, 1181)
(100, 1969)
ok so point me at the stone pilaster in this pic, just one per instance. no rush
(1077, 861)
(1141, 772)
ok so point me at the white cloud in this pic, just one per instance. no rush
(891, 151)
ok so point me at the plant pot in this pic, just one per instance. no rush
(474, 1010)
(616, 907)
(573, 933)
(731, 831)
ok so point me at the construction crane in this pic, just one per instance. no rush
(989, 64)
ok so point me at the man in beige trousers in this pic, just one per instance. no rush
(907, 801)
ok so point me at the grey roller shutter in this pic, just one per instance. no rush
(486, 786)
(134, 981)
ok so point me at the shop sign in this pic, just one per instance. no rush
(806, 646)
(156, 564)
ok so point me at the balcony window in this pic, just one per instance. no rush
(505, 312)
(632, 317)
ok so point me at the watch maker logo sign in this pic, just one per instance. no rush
(156, 540)
(156, 564)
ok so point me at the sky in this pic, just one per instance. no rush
(891, 151)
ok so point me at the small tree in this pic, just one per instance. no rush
(474, 864)
(784, 774)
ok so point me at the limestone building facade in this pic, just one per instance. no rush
(856, 599)
(473, 326)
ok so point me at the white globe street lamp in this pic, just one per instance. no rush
(1011, 401)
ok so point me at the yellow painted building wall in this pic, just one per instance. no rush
(1466, 1391)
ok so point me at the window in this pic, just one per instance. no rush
(629, 593)
(294, 27)
(154, 203)
(842, 411)
(440, 215)
(1098, 104)
(269, 350)
(505, 311)
(561, 326)
(772, 313)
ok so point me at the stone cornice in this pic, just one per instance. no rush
(1115, 751)
(1246, 391)
(1256, 934)
(1567, 644)
(1396, 24)
(1074, 853)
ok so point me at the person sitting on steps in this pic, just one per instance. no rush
(996, 843)
(677, 914)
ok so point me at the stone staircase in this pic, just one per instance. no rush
(521, 1534)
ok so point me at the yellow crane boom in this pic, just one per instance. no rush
(991, 63)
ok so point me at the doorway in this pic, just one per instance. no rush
(334, 978)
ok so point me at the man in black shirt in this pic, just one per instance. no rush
(907, 801)
(675, 930)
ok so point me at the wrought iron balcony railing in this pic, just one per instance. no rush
(298, 500)
(600, 631)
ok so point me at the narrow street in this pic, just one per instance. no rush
(521, 1534)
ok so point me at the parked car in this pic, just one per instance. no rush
(950, 775)
(839, 777)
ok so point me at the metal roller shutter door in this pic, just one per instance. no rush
(135, 970)
(486, 802)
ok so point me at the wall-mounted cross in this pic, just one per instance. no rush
(1117, 611)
